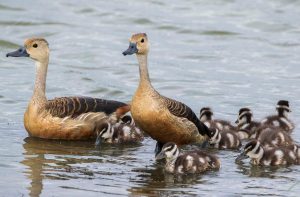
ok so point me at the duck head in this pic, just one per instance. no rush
(35, 48)
(138, 44)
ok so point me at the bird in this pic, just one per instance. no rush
(246, 127)
(267, 157)
(190, 162)
(164, 119)
(224, 140)
(270, 136)
(67, 118)
(280, 120)
(206, 114)
(122, 133)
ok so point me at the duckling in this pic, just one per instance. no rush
(191, 162)
(68, 118)
(119, 134)
(206, 117)
(296, 149)
(280, 120)
(246, 126)
(267, 157)
(164, 119)
(273, 137)
(225, 139)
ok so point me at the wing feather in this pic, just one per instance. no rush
(75, 106)
(181, 110)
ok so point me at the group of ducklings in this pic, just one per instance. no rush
(171, 123)
(269, 141)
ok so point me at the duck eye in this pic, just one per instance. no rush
(142, 41)
(35, 45)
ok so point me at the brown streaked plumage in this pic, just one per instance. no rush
(68, 118)
(162, 118)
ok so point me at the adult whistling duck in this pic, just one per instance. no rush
(164, 119)
(68, 118)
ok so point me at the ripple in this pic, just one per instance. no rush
(3, 7)
(25, 23)
(208, 32)
(143, 21)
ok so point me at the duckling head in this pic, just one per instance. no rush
(252, 149)
(215, 136)
(35, 48)
(138, 44)
(206, 114)
(245, 116)
(106, 133)
(283, 108)
(127, 119)
(169, 151)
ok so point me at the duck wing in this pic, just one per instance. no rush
(183, 111)
(75, 106)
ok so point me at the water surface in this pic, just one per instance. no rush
(226, 54)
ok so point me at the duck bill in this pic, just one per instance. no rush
(160, 156)
(98, 140)
(241, 157)
(21, 52)
(132, 49)
(205, 144)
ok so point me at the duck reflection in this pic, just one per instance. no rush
(260, 171)
(53, 159)
(154, 181)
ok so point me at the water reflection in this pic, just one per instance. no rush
(262, 171)
(154, 181)
(65, 160)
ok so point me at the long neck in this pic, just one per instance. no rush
(39, 95)
(144, 75)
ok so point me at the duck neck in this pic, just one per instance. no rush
(144, 74)
(39, 96)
